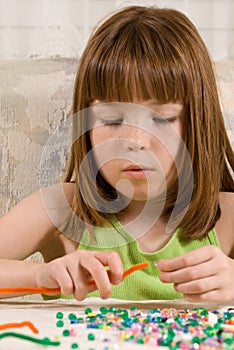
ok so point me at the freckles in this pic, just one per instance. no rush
(96, 139)
(100, 135)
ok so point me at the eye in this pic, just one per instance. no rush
(161, 120)
(116, 121)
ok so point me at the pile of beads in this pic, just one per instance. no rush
(195, 329)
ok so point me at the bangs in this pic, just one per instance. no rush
(138, 64)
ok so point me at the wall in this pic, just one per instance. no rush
(52, 28)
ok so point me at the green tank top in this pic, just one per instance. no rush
(143, 284)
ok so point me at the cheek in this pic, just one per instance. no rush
(110, 171)
(168, 157)
(170, 142)
(103, 148)
(97, 136)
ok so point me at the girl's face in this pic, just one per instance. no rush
(135, 145)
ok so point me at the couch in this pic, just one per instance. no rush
(35, 99)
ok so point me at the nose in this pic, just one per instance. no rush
(138, 139)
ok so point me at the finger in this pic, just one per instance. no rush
(112, 259)
(99, 275)
(200, 286)
(188, 274)
(192, 258)
(65, 281)
(79, 281)
(215, 295)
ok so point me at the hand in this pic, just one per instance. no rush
(204, 274)
(74, 271)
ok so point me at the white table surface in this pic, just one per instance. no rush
(43, 315)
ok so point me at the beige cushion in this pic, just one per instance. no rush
(35, 99)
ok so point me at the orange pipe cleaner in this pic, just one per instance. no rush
(18, 325)
(42, 290)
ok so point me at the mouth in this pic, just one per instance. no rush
(137, 171)
(137, 167)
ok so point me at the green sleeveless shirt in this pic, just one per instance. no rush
(143, 284)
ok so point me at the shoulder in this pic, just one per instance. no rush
(69, 190)
(225, 225)
(33, 222)
(48, 205)
(226, 201)
(56, 200)
(54, 195)
(58, 194)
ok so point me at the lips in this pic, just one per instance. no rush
(134, 167)
(137, 172)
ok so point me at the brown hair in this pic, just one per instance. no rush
(161, 54)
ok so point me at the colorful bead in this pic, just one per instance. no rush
(60, 323)
(88, 310)
(66, 333)
(72, 316)
(72, 332)
(91, 336)
(196, 329)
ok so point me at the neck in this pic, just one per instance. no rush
(141, 217)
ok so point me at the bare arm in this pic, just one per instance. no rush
(16, 273)
(31, 227)
(71, 273)
(28, 227)
(206, 274)
(225, 225)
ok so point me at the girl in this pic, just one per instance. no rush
(149, 176)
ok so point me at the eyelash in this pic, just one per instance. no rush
(114, 122)
(117, 122)
(164, 120)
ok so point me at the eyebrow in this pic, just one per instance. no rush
(177, 108)
(154, 102)
(105, 105)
